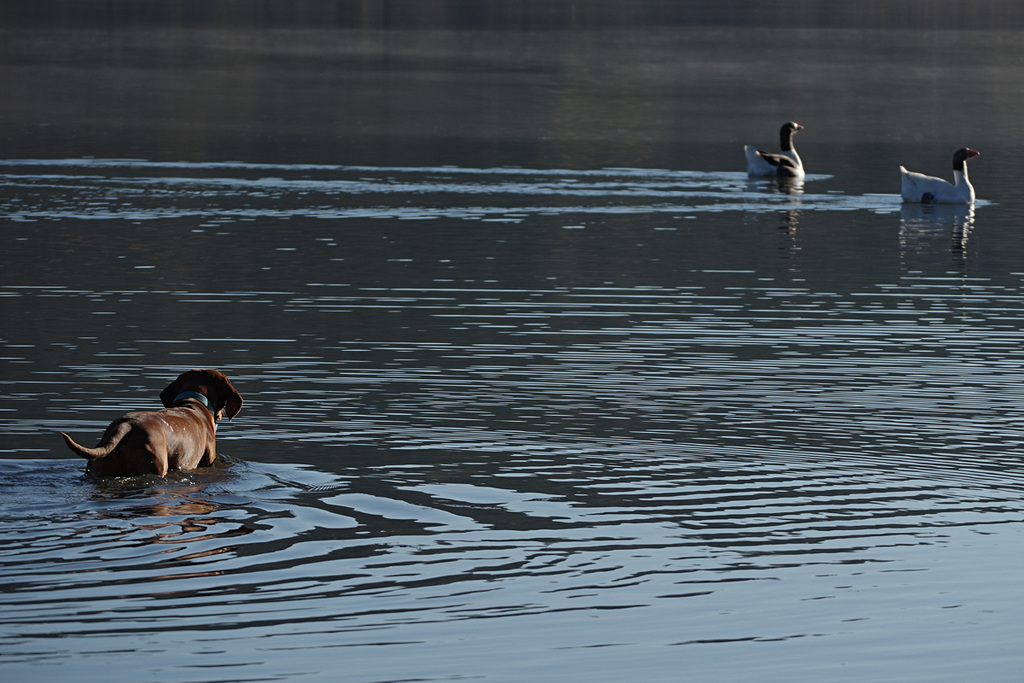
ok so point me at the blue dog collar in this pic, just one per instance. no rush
(192, 394)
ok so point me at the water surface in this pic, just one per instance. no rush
(521, 401)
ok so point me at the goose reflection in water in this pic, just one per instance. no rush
(920, 224)
(790, 186)
(789, 216)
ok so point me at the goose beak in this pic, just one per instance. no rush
(972, 153)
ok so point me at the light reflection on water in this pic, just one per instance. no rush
(514, 194)
(619, 420)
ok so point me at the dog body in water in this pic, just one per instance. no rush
(182, 436)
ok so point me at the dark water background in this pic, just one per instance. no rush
(537, 384)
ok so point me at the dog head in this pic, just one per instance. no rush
(214, 385)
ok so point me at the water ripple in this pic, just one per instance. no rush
(552, 431)
(110, 189)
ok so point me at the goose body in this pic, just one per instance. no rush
(785, 164)
(918, 188)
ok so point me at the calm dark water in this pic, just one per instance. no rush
(537, 384)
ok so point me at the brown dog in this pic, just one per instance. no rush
(181, 437)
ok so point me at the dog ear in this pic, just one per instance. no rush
(233, 404)
(229, 395)
(168, 395)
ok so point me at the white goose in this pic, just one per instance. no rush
(925, 189)
(787, 164)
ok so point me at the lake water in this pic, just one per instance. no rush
(538, 385)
